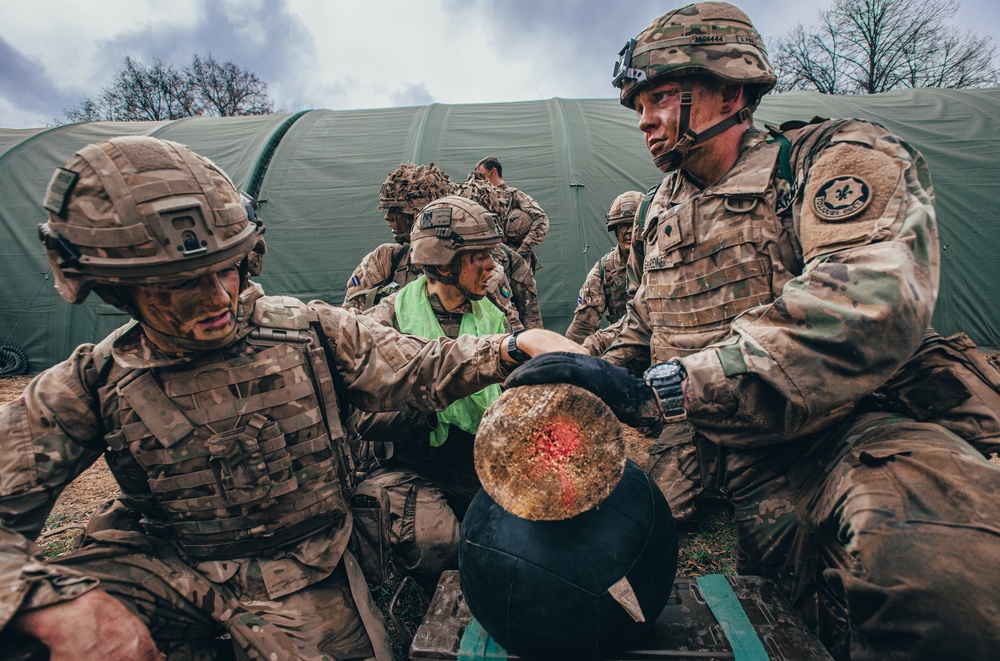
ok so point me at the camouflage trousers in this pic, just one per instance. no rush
(186, 612)
(683, 464)
(884, 531)
(429, 492)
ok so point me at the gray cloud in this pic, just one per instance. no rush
(412, 95)
(25, 82)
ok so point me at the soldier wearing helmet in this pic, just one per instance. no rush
(524, 222)
(218, 411)
(783, 307)
(429, 476)
(407, 190)
(604, 291)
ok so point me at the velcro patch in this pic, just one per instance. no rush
(851, 188)
(60, 186)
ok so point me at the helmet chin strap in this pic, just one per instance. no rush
(433, 274)
(688, 139)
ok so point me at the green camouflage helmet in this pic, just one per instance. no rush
(142, 211)
(714, 39)
(623, 209)
(410, 187)
(450, 226)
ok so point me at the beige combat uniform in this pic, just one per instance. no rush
(603, 293)
(390, 263)
(524, 231)
(818, 396)
(235, 516)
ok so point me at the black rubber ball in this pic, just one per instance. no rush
(540, 588)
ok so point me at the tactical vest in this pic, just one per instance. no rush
(612, 273)
(716, 255)
(243, 455)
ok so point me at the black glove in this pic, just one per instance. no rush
(631, 400)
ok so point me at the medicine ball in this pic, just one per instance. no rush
(541, 588)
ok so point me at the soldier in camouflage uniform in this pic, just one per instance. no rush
(429, 473)
(785, 304)
(524, 291)
(407, 190)
(524, 222)
(604, 292)
(219, 412)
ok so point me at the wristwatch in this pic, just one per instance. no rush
(516, 354)
(666, 380)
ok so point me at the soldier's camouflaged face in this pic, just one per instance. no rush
(200, 309)
(411, 187)
(714, 39)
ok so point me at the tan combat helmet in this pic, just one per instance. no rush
(141, 210)
(714, 39)
(410, 187)
(623, 209)
(450, 226)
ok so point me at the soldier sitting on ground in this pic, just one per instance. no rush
(785, 303)
(218, 411)
(428, 471)
(604, 292)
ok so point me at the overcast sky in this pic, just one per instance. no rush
(357, 54)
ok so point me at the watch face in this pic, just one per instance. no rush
(664, 370)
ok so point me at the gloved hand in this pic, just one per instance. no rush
(631, 400)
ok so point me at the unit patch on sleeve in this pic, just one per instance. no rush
(841, 198)
(851, 190)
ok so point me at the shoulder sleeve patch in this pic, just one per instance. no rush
(852, 191)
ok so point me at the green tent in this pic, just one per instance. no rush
(317, 175)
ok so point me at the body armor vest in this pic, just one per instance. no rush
(613, 278)
(712, 255)
(244, 454)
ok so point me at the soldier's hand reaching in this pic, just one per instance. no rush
(633, 402)
(93, 627)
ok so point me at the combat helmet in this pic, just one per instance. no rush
(450, 226)
(623, 209)
(714, 39)
(410, 187)
(143, 211)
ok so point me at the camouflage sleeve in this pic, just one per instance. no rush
(384, 312)
(385, 370)
(600, 340)
(857, 312)
(631, 347)
(589, 307)
(42, 453)
(524, 291)
(539, 221)
(633, 266)
(500, 293)
(373, 271)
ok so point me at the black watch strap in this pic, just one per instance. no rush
(667, 380)
(516, 354)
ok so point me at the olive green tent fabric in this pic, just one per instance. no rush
(317, 175)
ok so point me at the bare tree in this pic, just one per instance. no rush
(159, 91)
(870, 46)
(226, 90)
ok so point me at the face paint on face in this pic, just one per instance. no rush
(199, 309)
(475, 271)
(624, 235)
(400, 224)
